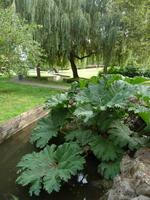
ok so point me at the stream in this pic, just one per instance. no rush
(81, 187)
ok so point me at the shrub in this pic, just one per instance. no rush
(99, 116)
(130, 71)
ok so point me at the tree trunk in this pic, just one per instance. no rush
(105, 69)
(38, 72)
(106, 58)
(73, 66)
(106, 63)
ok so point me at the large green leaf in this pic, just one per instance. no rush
(109, 79)
(122, 136)
(57, 100)
(103, 96)
(48, 127)
(144, 91)
(109, 169)
(146, 117)
(114, 93)
(136, 80)
(104, 119)
(44, 131)
(82, 136)
(50, 167)
(91, 94)
(106, 95)
(84, 112)
(59, 116)
(118, 95)
(104, 149)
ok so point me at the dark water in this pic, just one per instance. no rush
(80, 188)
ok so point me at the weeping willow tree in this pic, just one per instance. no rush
(132, 46)
(109, 22)
(69, 28)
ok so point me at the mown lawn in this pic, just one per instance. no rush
(83, 73)
(16, 99)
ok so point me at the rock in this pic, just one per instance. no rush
(141, 197)
(134, 181)
(122, 189)
(103, 184)
(104, 197)
(143, 189)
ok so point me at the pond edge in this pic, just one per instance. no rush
(18, 123)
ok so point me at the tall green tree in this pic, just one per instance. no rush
(69, 28)
(114, 30)
(109, 32)
(133, 46)
(123, 32)
(18, 50)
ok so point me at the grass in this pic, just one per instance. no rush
(46, 80)
(16, 99)
(83, 73)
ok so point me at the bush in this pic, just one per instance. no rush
(130, 71)
(108, 116)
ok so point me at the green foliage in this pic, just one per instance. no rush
(85, 112)
(101, 118)
(111, 94)
(59, 99)
(137, 80)
(130, 71)
(109, 169)
(18, 50)
(48, 168)
(67, 27)
(48, 127)
(122, 136)
(83, 137)
(105, 29)
(104, 149)
(146, 117)
(44, 132)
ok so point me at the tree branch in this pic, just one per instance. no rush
(80, 58)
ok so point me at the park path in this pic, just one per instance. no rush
(44, 85)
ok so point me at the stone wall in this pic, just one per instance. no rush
(18, 123)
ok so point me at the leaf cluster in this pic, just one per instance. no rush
(99, 117)
(51, 166)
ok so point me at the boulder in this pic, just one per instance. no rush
(141, 197)
(134, 180)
